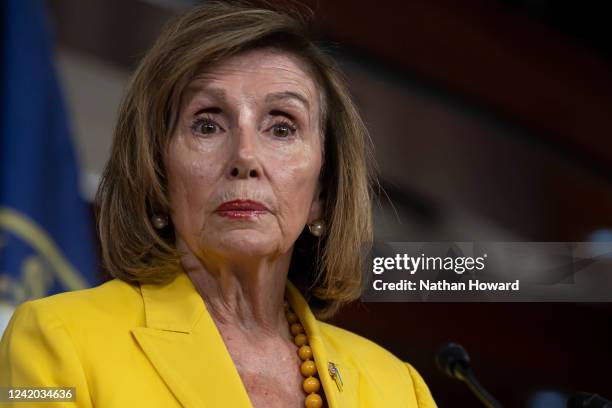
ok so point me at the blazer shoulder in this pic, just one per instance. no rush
(382, 366)
(421, 390)
(358, 346)
(110, 301)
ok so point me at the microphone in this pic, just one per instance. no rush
(453, 360)
(586, 400)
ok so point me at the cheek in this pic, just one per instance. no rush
(296, 182)
(190, 185)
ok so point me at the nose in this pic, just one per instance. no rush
(245, 162)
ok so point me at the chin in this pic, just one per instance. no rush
(248, 242)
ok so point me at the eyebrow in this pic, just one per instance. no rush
(271, 97)
(193, 90)
(287, 95)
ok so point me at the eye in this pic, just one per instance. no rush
(283, 130)
(204, 126)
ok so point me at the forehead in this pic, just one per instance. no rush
(257, 73)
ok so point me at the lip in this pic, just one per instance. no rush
(239, 209)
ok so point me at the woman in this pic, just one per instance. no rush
(233, 210)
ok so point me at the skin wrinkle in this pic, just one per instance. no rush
(240, 267)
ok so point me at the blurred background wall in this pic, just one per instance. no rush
(491, 121)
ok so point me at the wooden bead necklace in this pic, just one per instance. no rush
(311, 384)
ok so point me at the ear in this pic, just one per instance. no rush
(316, 207)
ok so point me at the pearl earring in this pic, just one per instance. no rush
(160, 221)
(317, 228)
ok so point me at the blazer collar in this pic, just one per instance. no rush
(176, 306)
(184, 345)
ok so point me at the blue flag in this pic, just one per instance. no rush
(46, 234)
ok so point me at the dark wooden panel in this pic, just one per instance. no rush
(516, 348)
(499, 59)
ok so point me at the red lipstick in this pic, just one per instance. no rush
(240, 209)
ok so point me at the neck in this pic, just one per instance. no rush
(244, 293)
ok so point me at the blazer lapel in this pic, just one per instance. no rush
(326, 351)
(182, 342)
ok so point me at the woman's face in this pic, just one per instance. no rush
(244, 161)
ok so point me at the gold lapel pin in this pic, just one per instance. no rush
(335, 375)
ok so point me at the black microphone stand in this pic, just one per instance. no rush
(454, 361)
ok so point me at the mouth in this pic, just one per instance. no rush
(241, 209)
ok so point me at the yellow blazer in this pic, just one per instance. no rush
(147, 345)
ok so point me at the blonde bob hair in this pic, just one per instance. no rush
(134, 183)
